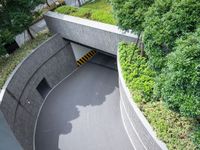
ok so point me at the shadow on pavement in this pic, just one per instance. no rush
(88, 86)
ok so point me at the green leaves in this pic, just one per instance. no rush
(165, 21)
(181, 78)
(138, 75)
(130, 14)
(15, 16)
(171, 69)
(172, 128)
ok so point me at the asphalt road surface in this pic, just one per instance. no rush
(83, 112)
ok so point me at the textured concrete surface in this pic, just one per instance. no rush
(93, 34)
(79, 50)
(20, 99)
(77, 116)
(34, 29)
(137, 127)
(7, 139)
(105, 61)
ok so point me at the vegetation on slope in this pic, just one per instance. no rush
(178, 132)
(8, 63)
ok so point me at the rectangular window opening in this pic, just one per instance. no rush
(43, 88)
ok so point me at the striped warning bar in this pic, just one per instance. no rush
(86, 57)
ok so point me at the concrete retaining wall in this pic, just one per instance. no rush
(79, 50)
(36, 28)
(139, 130)
(20, 98)
(93, 34)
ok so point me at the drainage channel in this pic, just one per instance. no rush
(83, 111)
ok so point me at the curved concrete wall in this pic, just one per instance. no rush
(97, 35)
(20, 98)
(139, 130)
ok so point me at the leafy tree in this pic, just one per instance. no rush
(165, 21)
(130, 15)
(180, 81)
(15, 16)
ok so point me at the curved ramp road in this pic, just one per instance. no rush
(83, 113)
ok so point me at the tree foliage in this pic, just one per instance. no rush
(171, 36)
(181, 78)
(130, 14)
(165, 21)
(15, 16)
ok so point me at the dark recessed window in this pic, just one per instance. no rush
(43, 88)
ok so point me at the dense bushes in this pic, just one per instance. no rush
(130, 14)
(5, 37)
(181, 78)
(166, 21)
(89, 13)
(138, 75)
(172, 47)
(15, 16)
(176, 131)
(163, 23)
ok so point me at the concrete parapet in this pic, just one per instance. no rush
(97, 35)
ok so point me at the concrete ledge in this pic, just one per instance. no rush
(20, 98)
(97, 35)
(138, 128)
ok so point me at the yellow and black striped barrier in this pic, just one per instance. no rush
(86, 57)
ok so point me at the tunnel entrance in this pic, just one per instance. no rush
(83, 111)
(104, 60)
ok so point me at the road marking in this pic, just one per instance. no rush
(86, 57)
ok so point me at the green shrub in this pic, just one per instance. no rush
(196, 136)
(6, 37)
(103, 16)
(172, 128)
(66, 10)
(180, 81)
(165, 21)
(139, 77)
(130, 14)
(16, 16)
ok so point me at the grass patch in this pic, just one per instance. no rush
(8, 64)
(99, 10)
(83, 13)
(176, 131)
(99, 4)
(103, 16)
